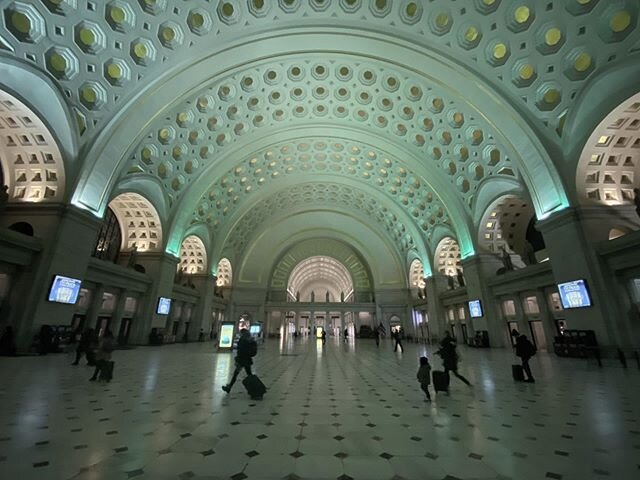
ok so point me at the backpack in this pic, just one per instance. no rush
(252, 348)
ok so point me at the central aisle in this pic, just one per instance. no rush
(338, 411)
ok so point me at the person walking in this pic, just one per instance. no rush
(324, 336)
(247, 349)
(346, 335)
(424, 376)
(376, 334)
(397, 337)
(84, 345)
(525, 350)
(450, 357)
(104, 365)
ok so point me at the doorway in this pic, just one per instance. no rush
(537, 335)
(123, 334)
(103, 325)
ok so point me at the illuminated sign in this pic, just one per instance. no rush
(475, 308)
(574, 294)
(164, 305)
(226, 335)
(64, 290)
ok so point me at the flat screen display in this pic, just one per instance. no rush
(64, 290)
(254, 329)
(574, 294)
(226, 335)
(164, 305)
(475, 308)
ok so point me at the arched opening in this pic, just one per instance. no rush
(505, 225)
(139, 223)
(22, 227)
(447, 257)
(416, 278)
(320, 279)
(33, 169)
(193, 255)
(609, 167)
(109, 239)
(225, 273)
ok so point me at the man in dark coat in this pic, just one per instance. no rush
(450, 356)
(525, 350)
(247, 349)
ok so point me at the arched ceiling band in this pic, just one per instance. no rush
(512, 130)
(358, 202)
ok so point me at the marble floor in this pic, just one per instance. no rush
(334, 412)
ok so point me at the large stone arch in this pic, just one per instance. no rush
(342, 253)
(545, 186)
(140, 223)
(40, 94)
(609, 166)
(384, 263)
(32, 164)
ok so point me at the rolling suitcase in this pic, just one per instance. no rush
(440, 381)
(106, 372)
(255, 387)
(517, 372)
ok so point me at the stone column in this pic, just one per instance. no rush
(201, 316)
(118, 312)
(477, 270)
(95, 305)
(437, 317)
(548, 323)
(68, 238)
(161, 267)
(521, 318)
(573, 257)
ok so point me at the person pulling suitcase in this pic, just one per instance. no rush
(247, 349)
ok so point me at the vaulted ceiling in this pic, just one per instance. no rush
(225, 114)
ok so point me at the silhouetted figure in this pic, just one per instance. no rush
(346, 335)
(397, 337)
(529, 255)
(506, 259)
(313, 296)
(450, 283)
(376, 335)
(324, 336)
(424, 376)
(525, 350)
(133, 257)
(460, 277)
(326, 297)
(104, 365)
(8, 342)
(450, 357)
(84, 345)
(247, 349)
(201, 335)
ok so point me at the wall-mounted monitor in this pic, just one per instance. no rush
(164, 305)
(475, 308)
(64, 290)
(574, 294)
(254, 329)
